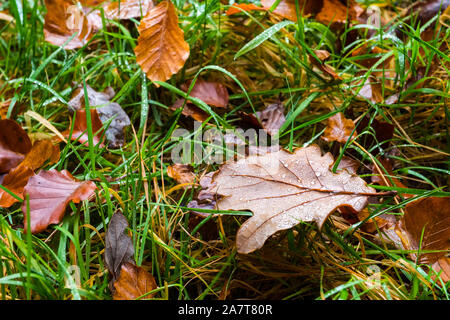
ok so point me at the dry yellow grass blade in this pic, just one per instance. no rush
(161, 51)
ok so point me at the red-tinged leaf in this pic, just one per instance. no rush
(17, 178)
(241, 7)
(161, 51)
(133, 283)
(14, 144)
(49, 193)
(119, 247)
(127, 9)
(80, 129)
(339, 129)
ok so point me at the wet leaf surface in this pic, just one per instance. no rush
(133, 283)
(283, 189)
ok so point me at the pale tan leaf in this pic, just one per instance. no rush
(161, 51)
(283, 189)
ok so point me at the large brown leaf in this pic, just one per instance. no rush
(119, 248)
(133, 283)
(427, 225)
(50, 192)
(17, 178)
(14, 144)
(283, 189)
(161, 51)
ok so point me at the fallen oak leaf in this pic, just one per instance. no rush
(49, 194)
(133, 282)
(161, 50)
(283, 189)
(14, 144)
(119, 247)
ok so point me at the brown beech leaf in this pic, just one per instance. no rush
(426, 224)
(287, 8)
(65, 18)
(133, 283)
(107, 113)
(283, 189)
(14, 144)
(17, 178)
(126, 9)
(212, 93)
(339, 129)
(161, 51)
(50, 192)
(119, 248)
(241, 7)
(182, 173)
(190, 110)
(80, 129)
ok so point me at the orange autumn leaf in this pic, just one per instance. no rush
(49, 193)
(335, 12)
(161, 51)
(133, 283)
(182, 173)
(339, 129)
(238, 8)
